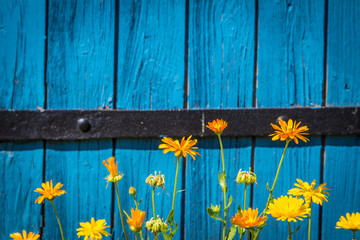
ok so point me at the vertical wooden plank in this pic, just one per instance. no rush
(343, 53)
(301, 161)
(77, 165)
(80, 54)
(221, 53)
(22, 39)
(80, 75)
(341, 173)
(151, 54)
(290, 53)
(138, 158)
(21, 173)
(203, 189)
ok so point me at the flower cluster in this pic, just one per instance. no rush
(156, 180)
(156, 226)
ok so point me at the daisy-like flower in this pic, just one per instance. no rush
(288, 208)
(49, 192)
(93, 230)
(351, 222)
(217, 126)
(111, 166)
(289, 131)
(136, 220)
(29, 236)
(180, 149)
(248, 218)
(309, 192)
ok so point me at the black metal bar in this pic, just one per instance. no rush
(95, 124)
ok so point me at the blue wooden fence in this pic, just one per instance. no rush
(167, 55)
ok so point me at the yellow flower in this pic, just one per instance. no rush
(180, 149)
(248, 218)
(49, 192)
(112, 168)
(351, 222)
(217, 126)
(288, 208)
(289, 131)
(136, 220)
(309, 193)
(29, 236)
(93, 230)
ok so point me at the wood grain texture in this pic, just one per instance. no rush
(341, 173)
(290, 53)
(221, 53)
(138, 158)
(22, 40)
(343, 53)
(80, 54)
(301, 161)
(151, 54)
(203, 189)
(77, 165)
(21, 173)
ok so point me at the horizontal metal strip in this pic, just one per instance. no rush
(95, 124)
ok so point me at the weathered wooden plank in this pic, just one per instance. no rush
(290, 53)
(151, 54)
(21, 168)
(203, 189)
(80, 54)
(138, 158)
(221, 53)
(22, 40)
(301, 161)
(341, 173)
(343, 53)
(77, 165)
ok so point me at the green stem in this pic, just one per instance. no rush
(153, 201)
(276, 177)
(289, 238)
(245, 196)
(57, 217)
(136, 236)
(174, 195)
(309, 233)
(120, 210)
(248, 235)
(354, 234)
(224, 190)
(141, 236)
(136, 203)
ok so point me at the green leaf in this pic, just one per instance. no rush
(267, 186)
(239, 209)
(212, 214)
(222, 182)
(231, 233)
(241, 231)
(166, 236)
(230, 201)
(180, 191)
(297, 229)
(139, 201)
(175, 230)
(170, 217)
(252, 231)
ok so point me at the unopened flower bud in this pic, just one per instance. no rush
(216, 208)
(246, 177)
(132, 191)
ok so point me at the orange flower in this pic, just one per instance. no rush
(29, 236)
(289, 131)
(248, 218)
(136, 220)
(49, 192)
(181, 149)
(112, 168)
(217, 126)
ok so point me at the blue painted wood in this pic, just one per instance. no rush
(151, 54)
(80, 66)
(341, 173)
(138, 158)
(21, 172)
(77, 165)
(301, 161)
(343, 53)
(203, 189)
(290, 53)
(221, 53)
(22, 39)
